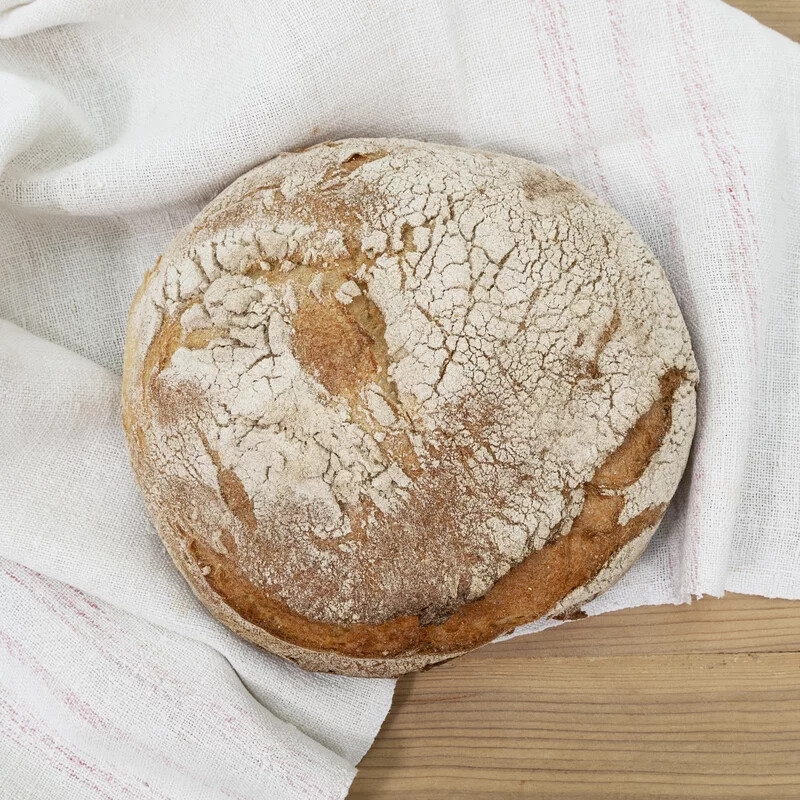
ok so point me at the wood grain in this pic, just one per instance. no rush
(741, 624)
(782, 15)
(699, 701)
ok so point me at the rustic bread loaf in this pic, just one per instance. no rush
(387, 400)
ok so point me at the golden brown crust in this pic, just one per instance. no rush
(529, 591)
(452, 480)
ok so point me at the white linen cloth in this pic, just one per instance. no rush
(120, 119)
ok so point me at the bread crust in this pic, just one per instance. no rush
(245, 554)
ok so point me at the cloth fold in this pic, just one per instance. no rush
(120, 120)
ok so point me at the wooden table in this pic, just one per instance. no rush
(687, 702)
(783, 15)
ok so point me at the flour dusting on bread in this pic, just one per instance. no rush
(378, 374)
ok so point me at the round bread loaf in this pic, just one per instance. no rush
(387, 400)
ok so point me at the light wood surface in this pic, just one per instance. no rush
(782, 15)
(686, 703)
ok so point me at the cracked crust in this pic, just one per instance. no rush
(387, 400)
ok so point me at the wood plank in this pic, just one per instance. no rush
(741, 624)
(698, 701)
(668, 726)
(782, 15)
